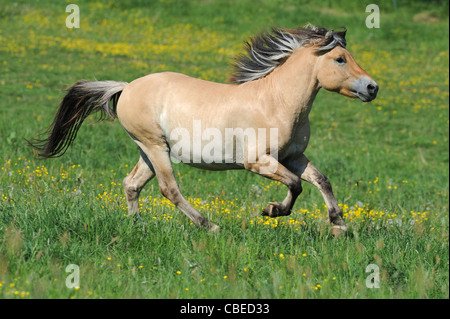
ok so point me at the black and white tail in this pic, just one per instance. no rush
(82, 99)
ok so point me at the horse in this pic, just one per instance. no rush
(272, 87)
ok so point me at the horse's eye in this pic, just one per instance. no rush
(340, 60)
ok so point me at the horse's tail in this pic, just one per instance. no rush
(82, 99)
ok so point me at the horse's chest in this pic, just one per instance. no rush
(298, 142)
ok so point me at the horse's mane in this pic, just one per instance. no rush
(267, 50)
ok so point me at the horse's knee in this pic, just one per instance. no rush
(296, 188)
(324, 183)
(171, 192)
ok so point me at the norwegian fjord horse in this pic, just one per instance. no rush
(274, 85)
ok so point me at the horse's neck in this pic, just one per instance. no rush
(294, 85)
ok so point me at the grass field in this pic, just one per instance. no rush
(388, 160)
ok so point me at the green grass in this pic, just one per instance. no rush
(387, 160)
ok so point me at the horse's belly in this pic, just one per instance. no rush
(216, 166)
(214, 154)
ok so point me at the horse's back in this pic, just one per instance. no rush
(159, 102)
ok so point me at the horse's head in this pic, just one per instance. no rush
(338, 71)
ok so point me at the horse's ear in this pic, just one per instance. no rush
(341, 33)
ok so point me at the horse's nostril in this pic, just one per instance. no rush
(372, 88)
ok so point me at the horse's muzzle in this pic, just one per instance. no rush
(365, 89)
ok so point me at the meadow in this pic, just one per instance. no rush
(388, 160)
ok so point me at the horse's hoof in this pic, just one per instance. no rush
(338, 230)
(275, 209)
(267, 211)
(213, 228)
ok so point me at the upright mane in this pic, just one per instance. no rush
(267, 50)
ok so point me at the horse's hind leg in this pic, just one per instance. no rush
(160, 159)
(135, 181)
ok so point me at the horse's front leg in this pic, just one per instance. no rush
(269, 167)
(308, 172)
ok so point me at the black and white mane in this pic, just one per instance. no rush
(266, 51)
